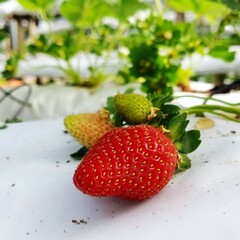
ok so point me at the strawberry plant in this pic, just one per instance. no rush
(147, 143)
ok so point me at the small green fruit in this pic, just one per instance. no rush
(134, 108)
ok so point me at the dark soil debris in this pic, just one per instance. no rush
(81, 221)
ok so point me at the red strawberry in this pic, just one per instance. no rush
(133, 162)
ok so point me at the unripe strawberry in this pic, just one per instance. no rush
(134, 108)
(87, 128)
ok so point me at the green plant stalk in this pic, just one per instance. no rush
(209, 98)
(209, 107)
(214, 111)
(74, 76)
(159, 7)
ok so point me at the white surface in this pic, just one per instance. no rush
(204, 64)
(11, 7)
(53, 26)
(45, 65)
(14, 7)
(39, 201)
(57, 101)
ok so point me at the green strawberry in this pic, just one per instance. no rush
(134, 108)
(87, 128)
(133, 162)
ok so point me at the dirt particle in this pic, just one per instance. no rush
(13, 185)
(81, 221)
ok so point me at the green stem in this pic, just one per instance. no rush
(159, 7)
(209, 98)
(230, 111)
(222, 115)
(210, 108)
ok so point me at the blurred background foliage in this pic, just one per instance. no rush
(151, 45)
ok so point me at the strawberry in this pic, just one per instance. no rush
(87, 128)
(134, 108)
(133, 162)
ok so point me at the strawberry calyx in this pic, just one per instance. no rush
(153, 113)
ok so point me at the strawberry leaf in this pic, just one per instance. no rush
(159, 101)
(129, 90)
(118, 119)
(188, 142)
(184, 163)
(170, 109)
(110, 105)
(3, 125)
(177, 126)
(80, 153)
(156, 121)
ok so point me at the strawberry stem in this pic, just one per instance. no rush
(229, 111)
(220, 114)
(209, 98)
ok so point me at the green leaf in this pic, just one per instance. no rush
(80, 153)
(233, 4)
(184, 163)
(188, 142)
(156, 121)
(14, 120)
(85, 13)
(210, 9)
(160, 101)
(177, 126)
(129, 90)
(3, 34)
(3, 125)
(110, 105)
(39, 6)
(126, 8)
(118, 119)
(170, 109)
(183, 5)
(223, 53)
